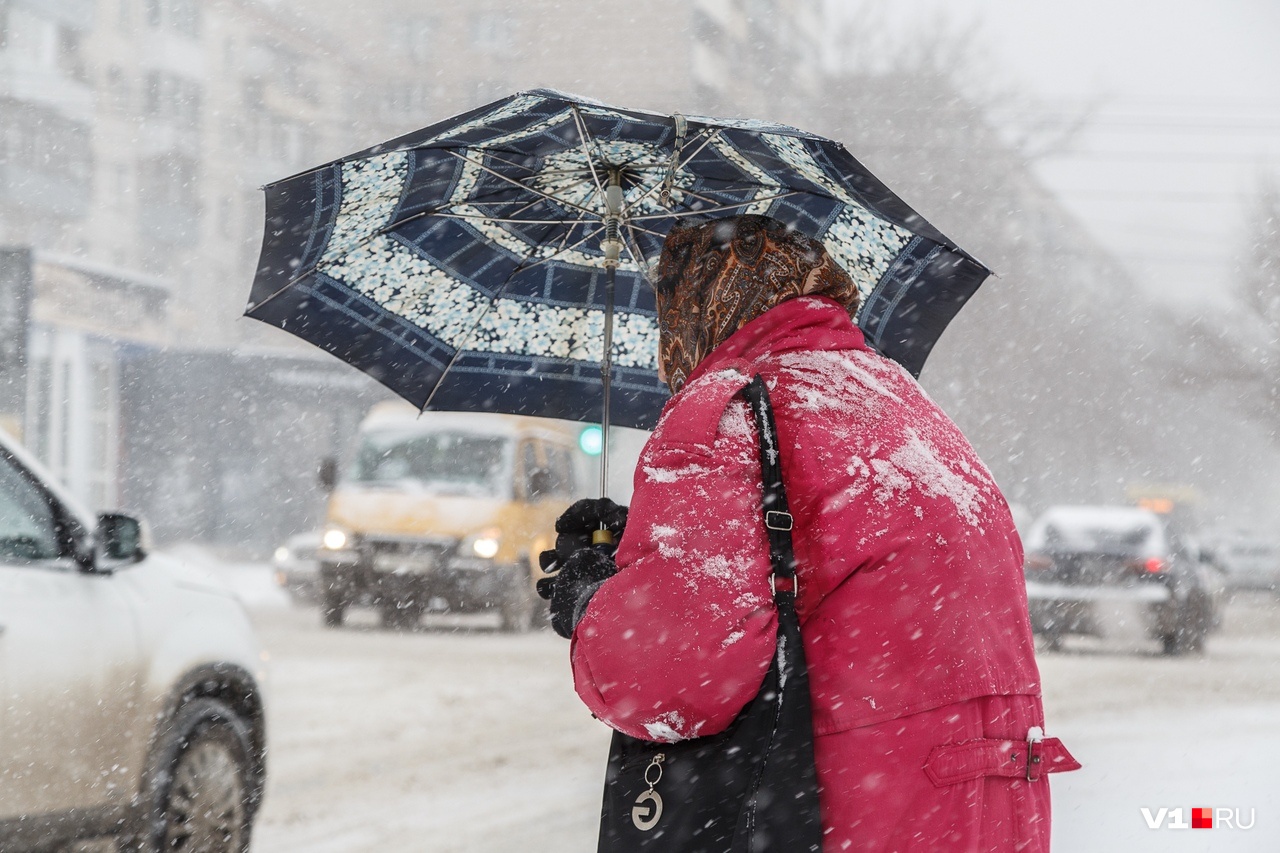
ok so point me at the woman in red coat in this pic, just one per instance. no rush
(926, 696)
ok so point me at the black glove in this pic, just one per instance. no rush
(574, 528)
(579, 578)
(587, 515)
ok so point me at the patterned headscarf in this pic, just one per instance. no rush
(715, 277)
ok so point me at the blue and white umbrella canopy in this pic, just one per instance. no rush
(462, 267)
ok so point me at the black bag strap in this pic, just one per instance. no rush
(778, 521)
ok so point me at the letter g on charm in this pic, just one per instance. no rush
(644, 815)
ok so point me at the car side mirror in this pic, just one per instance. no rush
(328, 476)
(120, 538)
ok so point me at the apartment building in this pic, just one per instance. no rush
(134, 137)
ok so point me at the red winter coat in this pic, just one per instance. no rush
(911, 593)
(910, 570)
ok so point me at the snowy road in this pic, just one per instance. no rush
(457, 738)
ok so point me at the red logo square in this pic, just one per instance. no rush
(1202, 818)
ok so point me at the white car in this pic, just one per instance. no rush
(130, 685)
(297, 567)
(1250, 561)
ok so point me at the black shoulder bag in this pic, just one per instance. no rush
(753, 787)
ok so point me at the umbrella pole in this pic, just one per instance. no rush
(606, 376)
(612, 248)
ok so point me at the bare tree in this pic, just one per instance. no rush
(1260, 280)
(1259, 294)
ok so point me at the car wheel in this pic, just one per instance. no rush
(333, 608)
(1052, 641)
(197, 791)
(517, 609)
(1193, 627)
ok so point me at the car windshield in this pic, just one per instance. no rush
(1119, 533)
(447, 462)
(26, 519)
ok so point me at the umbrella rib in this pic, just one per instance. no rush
(476, 203)
(719, 209)
(633, 248)
(490, 153)
(648, 231)
(564, 248)
(709, 136)
(564, 240)
(524, 187)
(585, 137)
(707, 198)
(508, 220)
(290, 283)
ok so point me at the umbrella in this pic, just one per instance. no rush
(496, 261)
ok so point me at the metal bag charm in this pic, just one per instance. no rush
(643, 815)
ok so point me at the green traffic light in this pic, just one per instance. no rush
(591, 440)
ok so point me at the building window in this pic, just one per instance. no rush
(406, 100)
(253, 93)
(102, 432)
(413, 38)
(169, 199)
(71, 54)
(117, 89)
(173, 98)
(45, 141)
(491, 31)
(270, 136)
(61, 443)
(123, 184)
(181, 16)
(169, 180)
(226, 217)
(184, 17)
(39, 403)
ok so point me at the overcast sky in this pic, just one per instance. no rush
(1184, 99)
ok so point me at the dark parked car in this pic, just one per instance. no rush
(1083, 560)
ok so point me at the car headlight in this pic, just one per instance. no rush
(484, 544)
(335, 539)
(282, 554)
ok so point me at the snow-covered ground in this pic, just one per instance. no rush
(455, 737)
(1214, 756)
